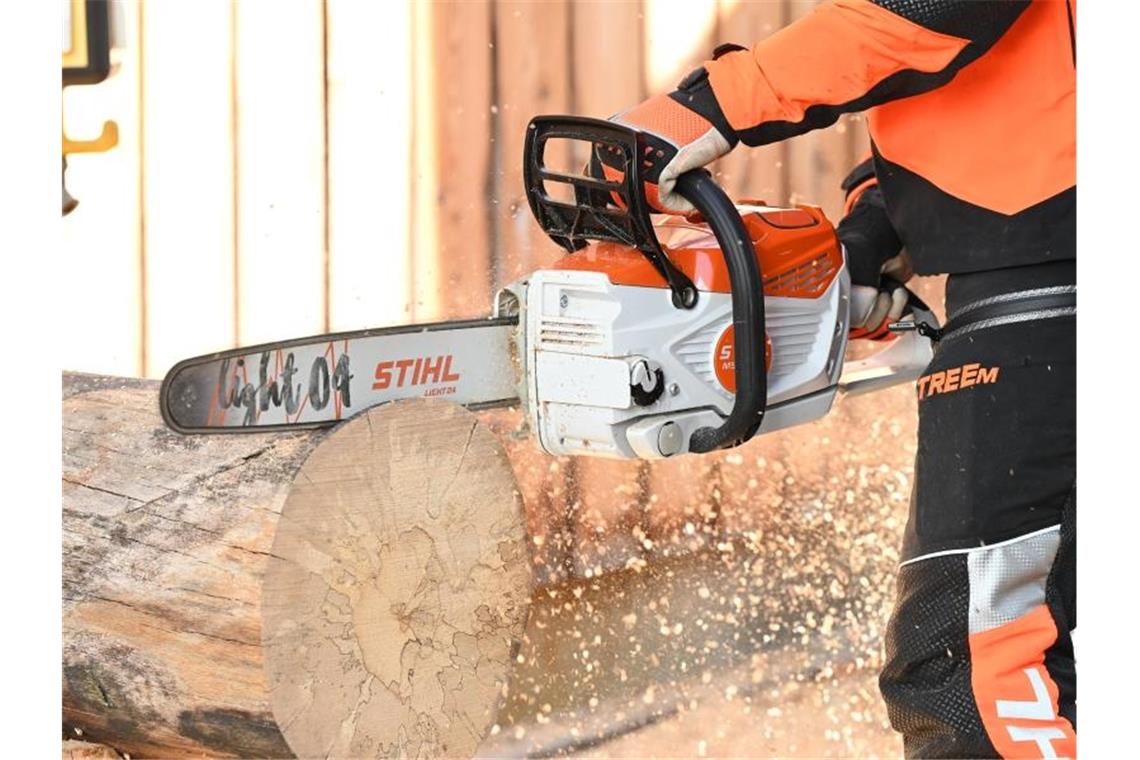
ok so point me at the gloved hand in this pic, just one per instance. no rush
(686, 130)
(875, 258)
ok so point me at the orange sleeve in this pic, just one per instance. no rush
(849, 55)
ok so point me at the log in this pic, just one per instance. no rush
(79, 750)
(359, 592)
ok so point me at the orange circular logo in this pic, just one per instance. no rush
(724, 358)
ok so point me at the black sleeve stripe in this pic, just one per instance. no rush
(981, 22)
(899, 85)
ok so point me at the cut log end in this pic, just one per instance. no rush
(397, 587)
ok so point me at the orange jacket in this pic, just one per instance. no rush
(972, 115)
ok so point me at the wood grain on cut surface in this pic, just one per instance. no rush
(397, 587)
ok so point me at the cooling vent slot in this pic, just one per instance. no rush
(695, 352)
(569, 332)
(809, 279)
(793, 335)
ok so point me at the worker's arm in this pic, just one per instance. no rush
(849, 55)
(843, 57)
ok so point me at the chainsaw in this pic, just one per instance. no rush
(653, 336)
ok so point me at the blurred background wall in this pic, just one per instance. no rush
(288, 168)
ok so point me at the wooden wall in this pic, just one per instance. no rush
(293, 167)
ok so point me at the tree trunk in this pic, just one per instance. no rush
(358, 592)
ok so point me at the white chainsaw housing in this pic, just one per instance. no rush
(582, 339)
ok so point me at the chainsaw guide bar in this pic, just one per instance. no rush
(321, 380)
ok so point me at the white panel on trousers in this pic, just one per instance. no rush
(1007, 579)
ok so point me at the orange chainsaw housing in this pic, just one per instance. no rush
(796, 248)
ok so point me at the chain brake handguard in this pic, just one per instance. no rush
(594, 215)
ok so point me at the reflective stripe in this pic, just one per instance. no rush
(1010, 297)
(1009, 319)
(1008, 580)
(969, 549)
(1011, 308)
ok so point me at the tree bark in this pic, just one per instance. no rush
(357, 592)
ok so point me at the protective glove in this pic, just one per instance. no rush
(875, 258)
(686, 130)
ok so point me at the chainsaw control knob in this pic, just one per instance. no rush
(669, 439)
(646, 383)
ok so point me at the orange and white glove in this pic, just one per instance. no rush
(875, 258)
(873, 309)
(686, 130)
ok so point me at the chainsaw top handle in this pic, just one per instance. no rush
(616, 210)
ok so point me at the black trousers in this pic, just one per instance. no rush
(979, 655)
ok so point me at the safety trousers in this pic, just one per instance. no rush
(979, 653)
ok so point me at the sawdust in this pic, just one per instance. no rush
(836, 718)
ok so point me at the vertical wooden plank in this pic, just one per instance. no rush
(756, 173)
(188, 193)
(425, 166)
(531, 52)
(679, 36)
(608, 56)
(369, 91)
(456, 268)
(280, 169)
(101, 237)
(818, 161)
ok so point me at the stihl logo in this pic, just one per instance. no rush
(426, 370)
(950, 380)
(724, 358)
(1018, 700)
(1037, 710)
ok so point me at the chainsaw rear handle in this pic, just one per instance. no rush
(616, 210)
